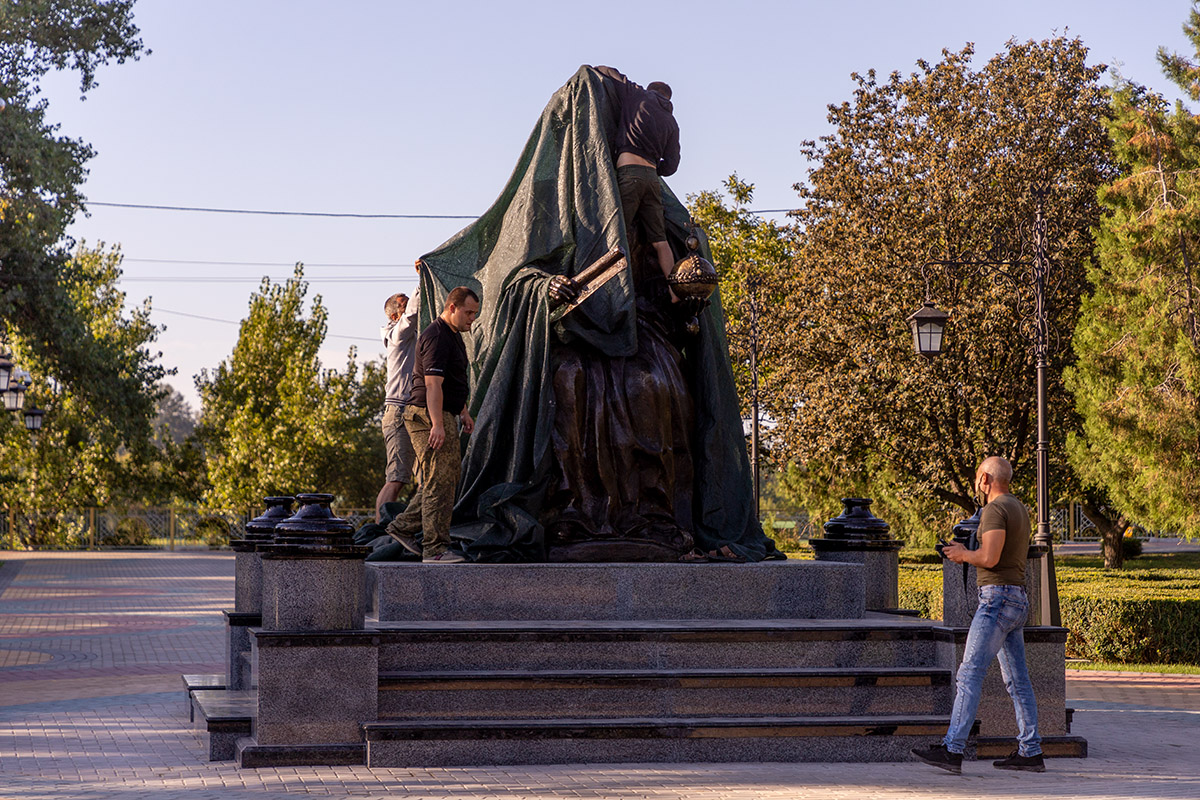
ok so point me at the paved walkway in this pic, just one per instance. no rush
(92, 646)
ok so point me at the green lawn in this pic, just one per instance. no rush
(1109, 666)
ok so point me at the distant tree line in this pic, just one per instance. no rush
(936, 165)
(939, 165)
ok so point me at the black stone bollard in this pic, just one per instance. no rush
(260, 531)
(858, 536)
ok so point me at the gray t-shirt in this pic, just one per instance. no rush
(400, 339)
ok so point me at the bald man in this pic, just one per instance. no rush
(998, 628)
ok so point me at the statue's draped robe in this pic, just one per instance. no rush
(559, 212)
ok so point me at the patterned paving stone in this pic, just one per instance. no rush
(93, 711)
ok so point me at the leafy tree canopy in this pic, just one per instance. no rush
(1137, 381)
(273, 422)
(83, 457)
(935, 165)
(40, 178)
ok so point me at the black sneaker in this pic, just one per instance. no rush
(1017, 761)
(938, 756)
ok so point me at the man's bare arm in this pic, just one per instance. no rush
(991, 545)
(433, 404)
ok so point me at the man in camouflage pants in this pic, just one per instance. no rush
(438, 403)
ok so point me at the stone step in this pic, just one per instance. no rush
(199, 681)
(545, 694)
(879, 640)
(440, 743)
(605, 693)
(221, 717)
(1060, 746)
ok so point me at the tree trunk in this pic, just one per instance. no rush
(1112, 527)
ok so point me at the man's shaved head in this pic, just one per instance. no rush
(999, 468)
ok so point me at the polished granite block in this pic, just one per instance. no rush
(247, 585)
(312, 594)
(251, 755)
(237, 646)
(876, 641)
(881, 573)
(191, 682)
(600, 694)
(767, 590)
(220, 718)
(317, 692)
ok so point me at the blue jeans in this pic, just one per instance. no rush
(998, 630)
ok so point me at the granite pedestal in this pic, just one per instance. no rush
(640, 591)
(881, 567)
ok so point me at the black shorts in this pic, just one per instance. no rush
(641, 200)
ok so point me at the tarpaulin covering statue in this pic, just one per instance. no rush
(611, 433)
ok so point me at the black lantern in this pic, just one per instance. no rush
(14, 398)
(6, 370)
(928, 324)
(33, 419)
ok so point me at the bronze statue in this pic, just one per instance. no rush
(607, 425)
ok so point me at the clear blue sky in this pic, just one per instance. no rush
(367, 106)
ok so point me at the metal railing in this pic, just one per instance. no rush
(135, 528)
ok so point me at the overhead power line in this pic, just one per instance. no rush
(258, 279)
(261, 263)
(336, 215)
(156, 309)
(262, 212)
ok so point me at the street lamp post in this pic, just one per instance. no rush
(928, 325)
(752, 286)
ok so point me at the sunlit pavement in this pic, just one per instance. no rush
(92, 646)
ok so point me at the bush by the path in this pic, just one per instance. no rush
(1145, 613)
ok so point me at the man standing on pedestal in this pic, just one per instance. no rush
(998, 628)
(438, 404)
(400, 339)
(647, 146)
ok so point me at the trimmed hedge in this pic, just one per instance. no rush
(1132, 630)
(921, 589)
(1137, 616)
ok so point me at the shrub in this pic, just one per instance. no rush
(1142, 630)
(214, 530)
(1131, 547)
(921, 589)
(130, 532)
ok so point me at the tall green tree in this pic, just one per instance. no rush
(935, 165)
(274, 422)
(1137, 380)
(752, 255)
(41, 174)
(84, 456)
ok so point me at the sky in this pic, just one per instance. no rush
(422, 108)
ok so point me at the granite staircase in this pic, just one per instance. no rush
(729, 684)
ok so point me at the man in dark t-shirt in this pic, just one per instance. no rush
(437, 403)
(998, 627)
(647, 147)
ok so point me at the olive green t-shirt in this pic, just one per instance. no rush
(1008, 514)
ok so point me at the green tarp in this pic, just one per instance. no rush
(559, 212)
